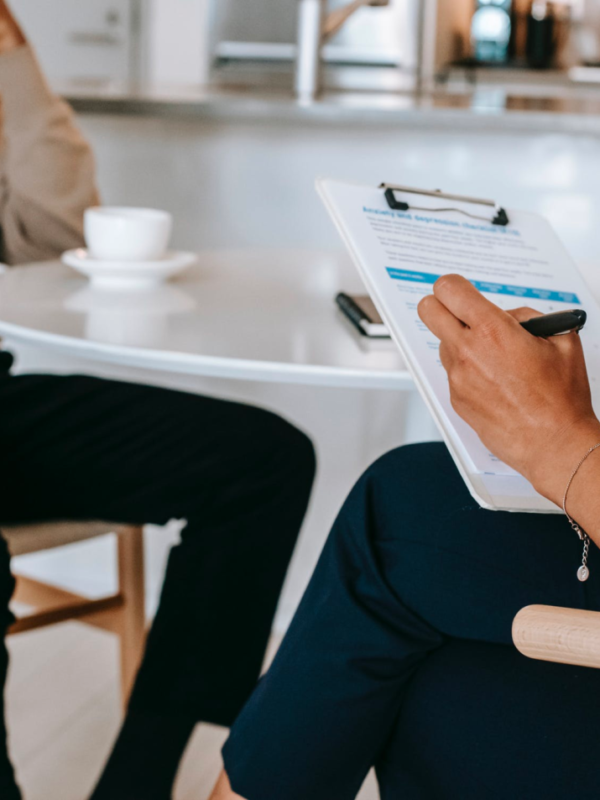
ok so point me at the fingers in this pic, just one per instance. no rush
(524, 313)
(445, 357)
(463, 300)
(438, 319)
(568, 343)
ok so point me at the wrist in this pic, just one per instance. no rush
(11, 36)
(583, 500)
(554, 463)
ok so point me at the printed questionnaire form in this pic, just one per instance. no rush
(403, 253)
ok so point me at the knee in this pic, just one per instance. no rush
(410, 486)
(284, 450)
(411, 468)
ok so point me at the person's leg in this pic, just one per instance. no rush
(412, 562)
(8, 786)
(82, 448)
(481, 721)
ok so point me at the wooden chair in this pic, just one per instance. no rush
(562, 635)
(121, 613)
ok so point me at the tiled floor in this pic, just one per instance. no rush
(63, 713)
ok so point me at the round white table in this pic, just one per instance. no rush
(265, 315)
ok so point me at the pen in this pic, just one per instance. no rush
(557, 323)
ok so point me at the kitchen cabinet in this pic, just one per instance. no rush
(83, 39)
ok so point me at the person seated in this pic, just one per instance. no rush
(81, 448)
(47, 173)
(413, 568)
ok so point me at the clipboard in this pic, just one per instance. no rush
(363, 215)
(496, 214)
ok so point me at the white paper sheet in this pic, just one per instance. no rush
(401, 255)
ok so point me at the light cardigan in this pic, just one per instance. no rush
(47, 173)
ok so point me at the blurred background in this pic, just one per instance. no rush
(254, 42)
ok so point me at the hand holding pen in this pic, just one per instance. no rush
(528, 397)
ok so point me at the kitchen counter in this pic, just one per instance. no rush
(556, 106)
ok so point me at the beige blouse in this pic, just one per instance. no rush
(47, 172)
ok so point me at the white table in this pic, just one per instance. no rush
(253, 315)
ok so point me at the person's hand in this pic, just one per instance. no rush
(11, 35)
(528, 398)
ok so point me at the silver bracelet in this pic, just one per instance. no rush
(583, 573)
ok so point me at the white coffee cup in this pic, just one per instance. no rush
(127, 234)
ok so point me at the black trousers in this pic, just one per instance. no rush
(82, 448)
(400, 655)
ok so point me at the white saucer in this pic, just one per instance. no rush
(128, 274)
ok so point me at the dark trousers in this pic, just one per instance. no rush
(81, 448)
(400, 655)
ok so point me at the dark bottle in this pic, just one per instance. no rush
(541, 36)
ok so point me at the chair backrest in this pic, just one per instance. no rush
(564, 635)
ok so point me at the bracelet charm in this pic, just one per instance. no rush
(583, 573)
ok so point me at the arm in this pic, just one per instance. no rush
(528, 398)
(46, 166)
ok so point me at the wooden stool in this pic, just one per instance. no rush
(121, 613)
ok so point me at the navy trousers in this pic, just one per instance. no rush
(400, 655)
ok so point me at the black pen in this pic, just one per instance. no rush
(557, 323)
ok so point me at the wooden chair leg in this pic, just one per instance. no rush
(130, 544)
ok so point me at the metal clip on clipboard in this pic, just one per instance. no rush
(497, 215)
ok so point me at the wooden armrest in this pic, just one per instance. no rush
(564, 635)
